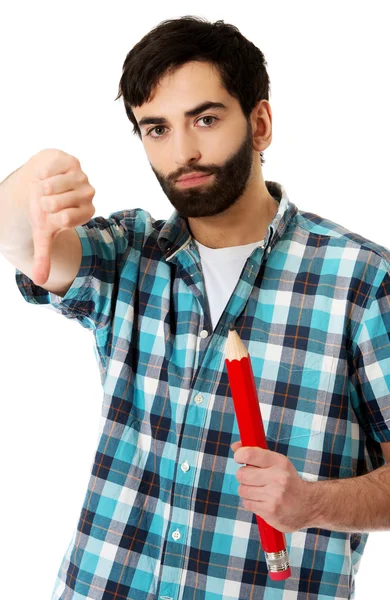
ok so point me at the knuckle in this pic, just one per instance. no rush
(271, 512)
(49, 151)
(243, 490)
(48, 204)
(51, 205)
(79, 175)
(65, 219)
(45, 187)
(87, 193)
(80, 180)
(249, 456)
(278, 498)
(75, 162)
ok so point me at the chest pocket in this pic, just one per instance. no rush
(295, 404)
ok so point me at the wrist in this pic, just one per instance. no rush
(317, 494)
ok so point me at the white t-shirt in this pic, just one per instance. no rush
(221, 270)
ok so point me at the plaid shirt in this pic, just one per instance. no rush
(162, 518)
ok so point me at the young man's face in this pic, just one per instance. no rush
(216, 142)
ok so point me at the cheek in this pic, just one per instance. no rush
(159, 166)
(217, 149)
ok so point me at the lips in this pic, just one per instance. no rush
(193, 176)
(194, 181)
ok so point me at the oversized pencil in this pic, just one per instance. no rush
(251, 428)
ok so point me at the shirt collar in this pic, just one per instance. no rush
(175, 233)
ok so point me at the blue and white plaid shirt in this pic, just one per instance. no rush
(162, 518)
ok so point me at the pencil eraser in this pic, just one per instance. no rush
(281, 575)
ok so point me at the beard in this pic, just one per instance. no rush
(217, 195)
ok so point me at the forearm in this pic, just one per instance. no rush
(353, 504)
(15, 228)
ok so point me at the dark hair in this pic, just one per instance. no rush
(172, 43)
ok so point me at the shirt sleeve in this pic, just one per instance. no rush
(105, 244)
(370, 375)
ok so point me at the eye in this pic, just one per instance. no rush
(155, 137)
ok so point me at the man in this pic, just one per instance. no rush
(169, 513)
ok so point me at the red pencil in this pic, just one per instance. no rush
(251, 428)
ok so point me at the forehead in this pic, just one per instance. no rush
(190, 75)
(188, 86)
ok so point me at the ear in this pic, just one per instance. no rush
(261, 120)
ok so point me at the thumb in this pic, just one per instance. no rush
(42, 249)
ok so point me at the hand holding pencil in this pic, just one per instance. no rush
(271, 486)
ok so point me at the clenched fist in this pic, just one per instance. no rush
(59, 197)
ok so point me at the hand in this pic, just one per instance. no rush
(59, 196)
(272, 488)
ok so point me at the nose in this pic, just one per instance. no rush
(185, 148)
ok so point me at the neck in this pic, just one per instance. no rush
(245, 222)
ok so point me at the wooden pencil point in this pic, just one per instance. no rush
(235, 349)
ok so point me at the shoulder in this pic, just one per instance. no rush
(342, 242)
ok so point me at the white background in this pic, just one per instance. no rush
(60, 67)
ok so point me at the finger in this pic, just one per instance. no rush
(236, 445)
(58, 184)
(258, 457)
(257, 507)
(248, 492)
(70, 217)
(55, 203)
(252, 476)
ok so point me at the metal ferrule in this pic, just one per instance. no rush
(277, 561)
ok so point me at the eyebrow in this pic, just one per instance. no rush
(189, 113)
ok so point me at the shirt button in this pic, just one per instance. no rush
(269, 249)
(176, 535)
(199, 399)
(185, 467)
(204, 333)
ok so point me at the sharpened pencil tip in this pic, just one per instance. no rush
(231, 327)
